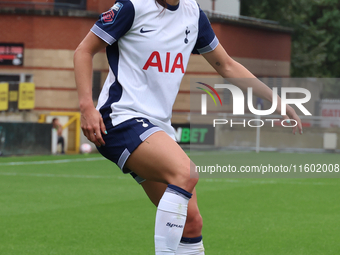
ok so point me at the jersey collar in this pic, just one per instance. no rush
(172, 7)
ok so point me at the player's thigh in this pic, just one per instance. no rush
(159, 158)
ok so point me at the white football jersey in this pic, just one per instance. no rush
(148, 52)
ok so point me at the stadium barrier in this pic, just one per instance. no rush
(241, 133)
(25, 138)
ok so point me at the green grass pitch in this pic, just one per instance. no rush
(84, 205)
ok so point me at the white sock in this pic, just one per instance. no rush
(190, 246)
(170, 219)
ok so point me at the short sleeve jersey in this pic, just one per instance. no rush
(148, 52)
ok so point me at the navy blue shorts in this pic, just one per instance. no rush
(123, 139)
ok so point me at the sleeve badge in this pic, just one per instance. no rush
(110, 16)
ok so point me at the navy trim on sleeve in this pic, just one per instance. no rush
(206, 40)
(116, 22)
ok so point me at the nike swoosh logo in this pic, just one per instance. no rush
(145, 31)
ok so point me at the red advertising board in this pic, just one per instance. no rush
(11, 54)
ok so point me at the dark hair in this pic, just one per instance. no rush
(161, 3)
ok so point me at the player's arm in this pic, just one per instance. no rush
(229, 68)
(91, 120)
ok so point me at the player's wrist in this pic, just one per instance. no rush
(84, 105)
(289, 110)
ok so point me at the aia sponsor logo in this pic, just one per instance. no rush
(163, 62)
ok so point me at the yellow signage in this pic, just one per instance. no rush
(13, 96)
(26, 96)
(3, 96)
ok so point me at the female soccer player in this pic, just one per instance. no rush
(148, 45)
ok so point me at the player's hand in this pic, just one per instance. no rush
(93, 126)
(291, 114)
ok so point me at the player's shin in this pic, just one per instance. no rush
(170, 220)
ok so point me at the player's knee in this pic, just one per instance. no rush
(191, 183)
(187, 180)
(183, 177)
(193, 226)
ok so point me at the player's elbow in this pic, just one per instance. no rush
(81, 54)
(229, 68)
(78, 53)
(234, 69)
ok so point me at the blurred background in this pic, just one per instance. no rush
(274, 39)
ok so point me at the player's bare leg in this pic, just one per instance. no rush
(159, 158)
(191, 241)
